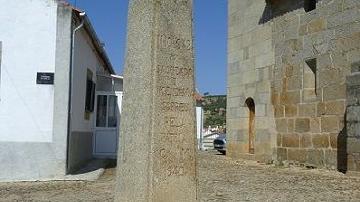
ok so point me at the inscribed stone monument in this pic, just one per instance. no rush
(157, 160)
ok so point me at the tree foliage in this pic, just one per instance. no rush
(215, 110)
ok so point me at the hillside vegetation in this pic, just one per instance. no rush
(214, 110)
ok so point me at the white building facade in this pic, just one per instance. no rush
(51, 80)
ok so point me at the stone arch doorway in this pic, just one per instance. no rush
(251, 133)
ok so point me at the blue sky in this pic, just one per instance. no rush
(210, 21)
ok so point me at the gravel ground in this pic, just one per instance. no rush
(220, 179)
(223, 179)
(101, 190)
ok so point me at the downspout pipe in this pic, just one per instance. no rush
(71, 77)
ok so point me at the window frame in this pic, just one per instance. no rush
(90, 93)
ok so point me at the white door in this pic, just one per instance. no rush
(107, 125)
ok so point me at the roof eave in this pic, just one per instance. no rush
(95, 40)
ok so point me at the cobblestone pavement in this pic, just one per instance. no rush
(220, 179)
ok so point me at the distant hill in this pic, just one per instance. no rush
(214, 110)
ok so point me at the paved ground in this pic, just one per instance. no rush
(100, 190)
(223, 179)
(220, 178)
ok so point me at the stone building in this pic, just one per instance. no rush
(290, 66)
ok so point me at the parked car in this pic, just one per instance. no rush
(220, 143)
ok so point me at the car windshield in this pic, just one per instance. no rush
(223, 135)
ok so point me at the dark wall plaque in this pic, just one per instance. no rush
(45, 78)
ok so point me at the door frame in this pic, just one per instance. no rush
(95, 128)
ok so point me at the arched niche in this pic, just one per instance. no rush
(251, 133)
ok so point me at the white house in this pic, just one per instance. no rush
(59, 100)
(199, 119)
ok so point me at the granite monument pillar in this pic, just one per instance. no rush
(157, 156)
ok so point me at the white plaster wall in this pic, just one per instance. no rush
(199, 125)
(85, 58)
(199, 121)
(82, 130)
(28, 33)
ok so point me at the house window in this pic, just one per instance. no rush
(107, 111)
(309, 5)
(101, 113)
(90, 94)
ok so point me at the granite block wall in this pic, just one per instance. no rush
(313, 55)
(294, 64)
(251, 63)
(352, 141)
